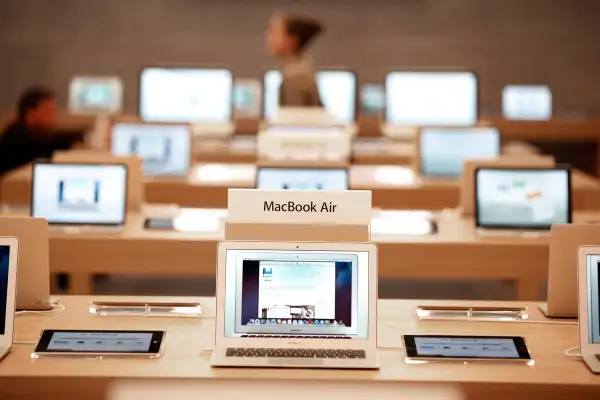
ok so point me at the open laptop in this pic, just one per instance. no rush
(562, 267)
(33, 291)
(297, 305)
(524, 199)
(80, 194)
(165, 149)
(9, 248)
(441, 152)
(301, 178)
(588, 275)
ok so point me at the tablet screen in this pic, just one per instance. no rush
(164, 149)
(466, 347)
(535, 198)
(337, 90)
(302, 179)
(73, 341)
(79, 194)
(442, 151)
(431, 98)
(186, 95)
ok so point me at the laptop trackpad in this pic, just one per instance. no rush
(295, 361)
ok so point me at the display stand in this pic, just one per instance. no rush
(135, 182)
(337, 216)
(467, 180)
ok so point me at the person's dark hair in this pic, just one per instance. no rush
(305, 29)
(31, 98)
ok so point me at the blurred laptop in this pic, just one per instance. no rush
(441, 152)
(9, 249)
(33, 288)
(525, 199)
(296, 305)
(80, 194)
(165, 149)
(588, 281)
(301, 178)
(562, 267)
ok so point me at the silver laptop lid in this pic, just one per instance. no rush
(297, 292)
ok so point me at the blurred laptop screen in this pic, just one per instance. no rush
(532, 103)
(164, 149)
(186, 95)
(337, 90)
(431, 98)
(302, 179)
(95, 95)
(513, 198)
(79, 194)
(442, 151)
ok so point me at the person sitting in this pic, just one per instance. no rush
(34, 135)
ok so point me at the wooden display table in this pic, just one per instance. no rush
(393, 187)
(456, 251)
(189, 341)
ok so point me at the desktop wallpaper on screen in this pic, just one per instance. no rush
(4, 254)
(342, 298)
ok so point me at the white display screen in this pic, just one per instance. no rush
(522, 198)
(100, 342)
(466, 347)
(186, 95)
(423, 98)
(302, 179)
(337, 90)
(442, 151)
(372, 99)
(593, 298)
(95, 95)
(79, 194)
(298, 292)
(164, 149)
(532, 103)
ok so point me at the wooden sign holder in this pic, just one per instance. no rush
(135, 174)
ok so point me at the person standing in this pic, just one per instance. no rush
(288, 37)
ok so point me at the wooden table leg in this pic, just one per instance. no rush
(529, 290)
(81, 284)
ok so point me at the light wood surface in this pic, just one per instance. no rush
(243, 149)
(189, 341)
(393, 187)
(456, 251)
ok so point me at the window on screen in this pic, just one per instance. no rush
(186, 95)
(431, 98)
(336, 88)
(315, 292)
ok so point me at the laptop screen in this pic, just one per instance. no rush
(442, 151)
(337, 90)
(95, 95)
(164, 149)
(593, 274)
(431, 98)
(512, 198)
(302, 179)
(4, 257)
(193, 95)
(296, 292)
(530, 103)
(79, 194)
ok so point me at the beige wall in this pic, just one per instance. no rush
(505, 41)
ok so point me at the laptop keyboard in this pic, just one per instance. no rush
(294, 353)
